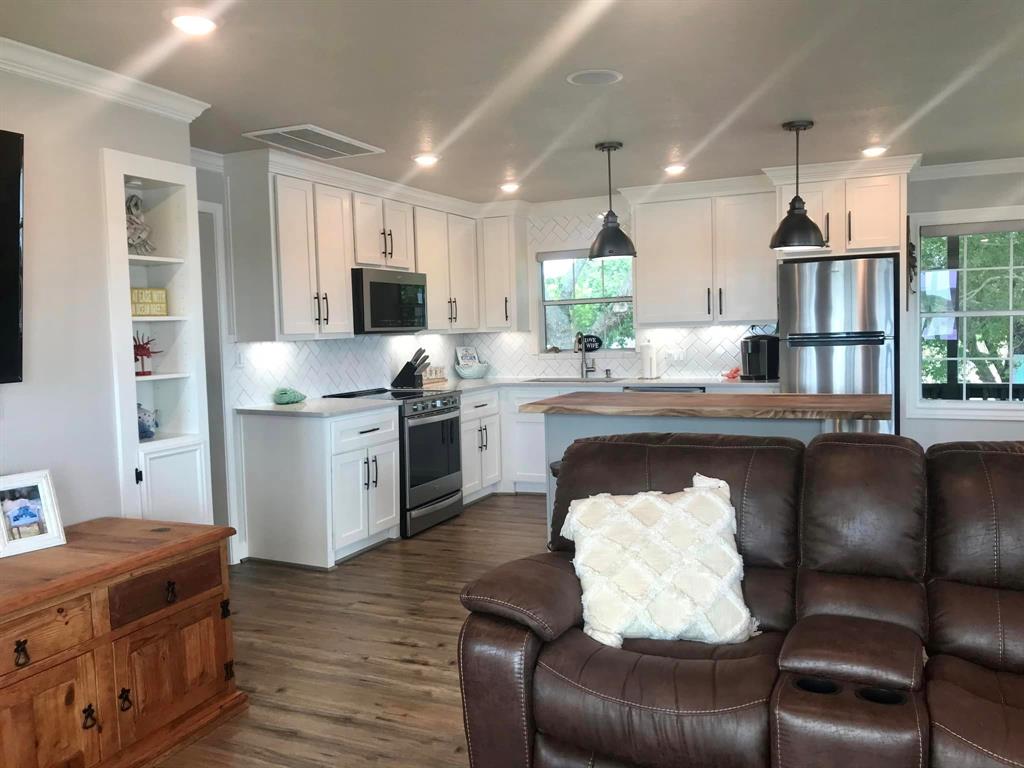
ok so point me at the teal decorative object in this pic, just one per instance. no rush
(287, 396)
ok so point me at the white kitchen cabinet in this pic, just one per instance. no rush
(675, 262)
(383, 232)
(496, 295)
(296, 255)
(175, 482)
(462, 270)
(825, 204)
(472, 445)
(350, 498)
(490, 456)
(481, 441)
(873, 213)
(446, 254)
(384, 487)
(333, 209)
(745, 267)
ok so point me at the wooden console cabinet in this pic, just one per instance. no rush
(115, 648)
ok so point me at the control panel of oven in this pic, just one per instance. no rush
(432, 405)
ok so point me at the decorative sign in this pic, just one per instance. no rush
(149, 302)
(592, 343)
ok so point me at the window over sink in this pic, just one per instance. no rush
(594, 297)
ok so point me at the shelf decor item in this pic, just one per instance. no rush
(149, 302)
(143, 350)
(138, 231)
(29, 516)
(148, 423)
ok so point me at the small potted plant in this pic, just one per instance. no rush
(143, 350)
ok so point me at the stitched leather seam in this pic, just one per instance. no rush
(666, 710)
(874, 446)
(592, 441)
(995, 557)
(465, 705)
(742, 517)
(920, 737)
(778, 723)
(975, 451)
(977, 746)
(522, 691)
(531, 614)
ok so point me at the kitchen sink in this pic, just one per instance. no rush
(572, 380)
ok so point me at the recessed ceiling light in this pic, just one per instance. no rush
(510, 186)
(875, 150)
(594, 77)
(426, 159)
(675, 169)
(193, 22)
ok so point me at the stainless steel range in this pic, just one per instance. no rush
(431, 454)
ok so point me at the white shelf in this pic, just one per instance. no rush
(163, 377)
(152, 261)
(168, 439)
(159, 319)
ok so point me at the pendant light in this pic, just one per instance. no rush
(611, 240)
(797, 232)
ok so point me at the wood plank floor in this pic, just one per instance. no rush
(357, 667)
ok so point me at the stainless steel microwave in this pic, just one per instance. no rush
(384, 301)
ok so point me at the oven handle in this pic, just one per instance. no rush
(414, 421)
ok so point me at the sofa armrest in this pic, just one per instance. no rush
(539, 592)
(855, 650)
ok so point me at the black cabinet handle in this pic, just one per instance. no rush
(455, 303)
(506, 309)
(450, 318)
(172, 592)
(316, 299)
(327, 310)
(391, 250)
(89, 718)
(368, 431)
(125, 699)
(487, 440)
(366, 483)
(376, 472)
(720, 301)
(384, 234)
(21, 657)
(849, 226)
(709, 302)
(826, 229)
(480, 438)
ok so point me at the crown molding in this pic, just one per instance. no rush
(35, 63)
(687, 190)
(999, 167)
(844, 169)
(205, 160)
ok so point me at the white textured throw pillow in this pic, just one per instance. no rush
(660, 566)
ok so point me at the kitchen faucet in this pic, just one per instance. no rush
(585, 365)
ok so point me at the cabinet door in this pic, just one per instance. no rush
(170, 668)
(368, 227)
(497, 262)
(42, 720)
(398, 223)
(745, 267)
(334, 258)
(350, 498)
(462, 260)
(873, 213)
(471, 439)
(383, 487)
(432, 260)
(825, 207)
(674, 272)
(176, 483)
(490, 457)
(296, 255)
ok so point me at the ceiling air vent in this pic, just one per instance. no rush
(312, 141)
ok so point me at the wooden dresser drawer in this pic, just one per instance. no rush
(31, 639)
(156, 590)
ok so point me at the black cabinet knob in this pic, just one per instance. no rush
(172, 592)
(21, 657)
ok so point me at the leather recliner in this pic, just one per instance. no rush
(836, 546)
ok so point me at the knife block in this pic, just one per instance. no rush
(407, 378)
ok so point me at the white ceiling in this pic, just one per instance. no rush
(483, 81)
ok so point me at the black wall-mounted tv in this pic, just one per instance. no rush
(12, 220)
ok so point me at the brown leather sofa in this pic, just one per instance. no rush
(860, 552)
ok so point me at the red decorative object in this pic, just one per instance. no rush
(144, 349)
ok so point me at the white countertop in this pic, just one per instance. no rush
(320, 407)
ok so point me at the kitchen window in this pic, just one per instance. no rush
(595, 297)
(971, 312)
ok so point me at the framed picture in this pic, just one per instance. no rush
(29, 517)
(466, 356)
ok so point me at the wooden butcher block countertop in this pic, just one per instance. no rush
(728, 406)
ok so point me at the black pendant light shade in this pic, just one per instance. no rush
(797, 232)
(611, 240)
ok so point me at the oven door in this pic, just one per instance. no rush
(432, 458)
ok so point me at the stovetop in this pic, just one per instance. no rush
(393, 394)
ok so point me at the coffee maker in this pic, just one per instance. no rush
(760, 357)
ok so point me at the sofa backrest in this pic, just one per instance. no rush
(863, 528)
(976, 585)
(763, 475)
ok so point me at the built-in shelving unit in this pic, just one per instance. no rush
(166, 476)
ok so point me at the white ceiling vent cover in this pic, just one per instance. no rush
(312, 141)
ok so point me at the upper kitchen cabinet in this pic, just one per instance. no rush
(462, 270)
(825, 207)
(873, 219)
(446, 254)
(745, 267)
(383, 232)
(505, 291)
(675, 262)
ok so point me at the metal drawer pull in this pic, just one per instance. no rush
(487, 440)
(368, 431)
(849, 226)
(21, 657)
(481, 405)
(89, 718)
(366, 483)
(172, 592)
(376, 472)
(125, 697)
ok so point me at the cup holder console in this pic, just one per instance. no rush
(817, 685)
(882, 696)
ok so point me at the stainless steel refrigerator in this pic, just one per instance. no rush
(838, 329)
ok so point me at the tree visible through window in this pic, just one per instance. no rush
(972, 316)
(589, 296)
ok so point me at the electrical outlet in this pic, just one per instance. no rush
(239, 358)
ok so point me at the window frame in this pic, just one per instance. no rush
(917, 407)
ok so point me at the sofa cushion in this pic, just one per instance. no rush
(766, 643)
(662, 566)
(977, 715)
(657, 711)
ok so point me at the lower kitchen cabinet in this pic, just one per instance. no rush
(364, 493)
(481, 453)
(174, 483)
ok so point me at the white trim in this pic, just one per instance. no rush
(688, 190)
(1007, 165)
(205, 160)
(844, 169)
(914, 406)
(36, 63)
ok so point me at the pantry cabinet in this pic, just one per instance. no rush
(446, 254)
(504, 291)
(383, 232)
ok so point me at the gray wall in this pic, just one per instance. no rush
(61, 417)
